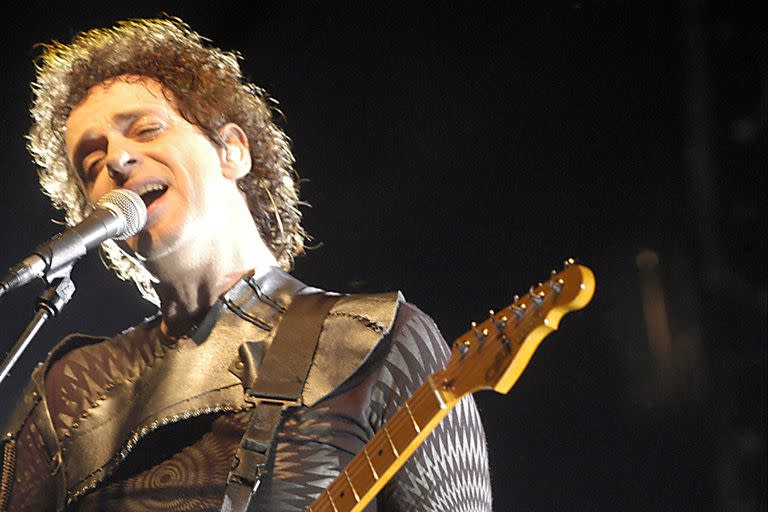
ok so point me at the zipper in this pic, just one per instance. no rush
(136, 436)
(8, 473)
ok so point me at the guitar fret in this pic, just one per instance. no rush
(437, 393)
(389, 438)
(354, 492)
(415, 425)
(367, 458)
(330, 498)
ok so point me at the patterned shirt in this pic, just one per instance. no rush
(184, 466)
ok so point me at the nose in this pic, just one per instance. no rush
(120, 164)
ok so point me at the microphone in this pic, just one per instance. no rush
(119, 214)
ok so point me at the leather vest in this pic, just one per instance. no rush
(203, 373)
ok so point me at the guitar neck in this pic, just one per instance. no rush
(386, 452)
(490, 356)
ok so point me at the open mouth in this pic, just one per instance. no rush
(150, 193)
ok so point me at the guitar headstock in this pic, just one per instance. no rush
(493, 354)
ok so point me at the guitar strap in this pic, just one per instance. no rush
(275, 389)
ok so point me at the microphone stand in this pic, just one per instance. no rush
(119, 213)
(48, 304)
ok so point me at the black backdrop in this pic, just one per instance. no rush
(459, 155)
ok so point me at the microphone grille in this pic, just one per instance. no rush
(128, 206)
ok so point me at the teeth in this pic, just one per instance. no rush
(152, 187)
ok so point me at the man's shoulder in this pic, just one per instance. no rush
(89, 352)
(375, 312)
(82, 366)
(78, 342)
(363, 330)
(76, 358)
(351, 331)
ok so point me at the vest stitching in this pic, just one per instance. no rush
(373, 325)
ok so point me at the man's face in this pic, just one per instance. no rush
(128, 135)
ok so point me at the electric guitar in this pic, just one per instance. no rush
(491, 355)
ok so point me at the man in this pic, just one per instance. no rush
(186, 411)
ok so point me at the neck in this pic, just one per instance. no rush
(188, 286)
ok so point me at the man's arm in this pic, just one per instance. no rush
(449, 471)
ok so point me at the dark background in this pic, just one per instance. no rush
(459, 155)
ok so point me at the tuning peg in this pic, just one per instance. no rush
(553, 273)
(463, 347)
(518, 310)
(515, 298)
(557, 286)
(537, 298)
(569, 262)
(505, 342)
(479, 335)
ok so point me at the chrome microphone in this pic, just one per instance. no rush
(119, 214)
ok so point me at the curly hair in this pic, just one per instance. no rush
(209, 91)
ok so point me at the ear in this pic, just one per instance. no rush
(235, 156)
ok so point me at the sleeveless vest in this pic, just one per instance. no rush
(168, 381)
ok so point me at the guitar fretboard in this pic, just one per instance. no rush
(386, 452)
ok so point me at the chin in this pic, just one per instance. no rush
(167, 247)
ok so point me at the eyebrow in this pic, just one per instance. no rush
(87, 143)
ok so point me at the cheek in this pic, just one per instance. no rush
(199, 167)
(195, 149)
